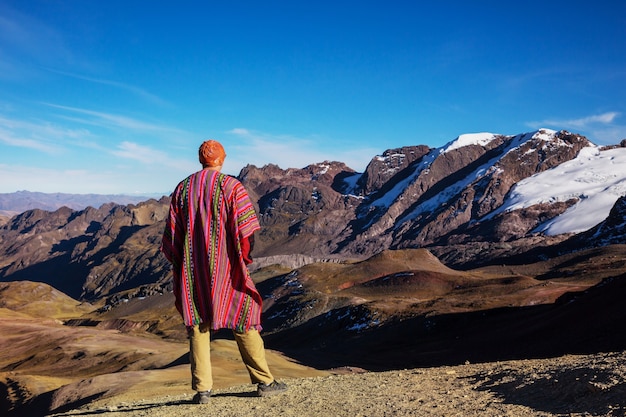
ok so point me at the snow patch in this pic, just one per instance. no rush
(596, 178)
(323, 168)
(468, 139)
(351, 184)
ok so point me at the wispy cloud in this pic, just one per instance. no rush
(40, 136)
(147, 155)
(26, 32)
(150, 156)
(115, 121)
(140, 153)
(24, 38)
(601, 127)
(140, 92)
(288, 151)
(9, 139)
(581, 123)
(261, 148)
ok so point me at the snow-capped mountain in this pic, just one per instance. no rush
(481, 187)
(595, 178)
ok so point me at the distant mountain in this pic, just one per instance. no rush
(478, 200)
(20, 201)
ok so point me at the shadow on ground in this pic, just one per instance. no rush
(572, 325)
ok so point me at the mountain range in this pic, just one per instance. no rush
(480, 199)
(477, 188)
(20, 201)
(431, 256)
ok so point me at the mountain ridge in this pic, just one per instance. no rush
(450, 206)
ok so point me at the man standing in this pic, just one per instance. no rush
(208, 238)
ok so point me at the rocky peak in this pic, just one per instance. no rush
(384, 167)
(312, 180)
(37, 220)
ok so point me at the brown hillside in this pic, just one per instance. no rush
(39, 300)
(48, 365)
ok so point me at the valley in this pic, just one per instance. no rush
(396, 310)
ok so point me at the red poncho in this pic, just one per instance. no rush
(210, 216)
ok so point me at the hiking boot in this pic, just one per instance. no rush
(202, 397)
(264, 390)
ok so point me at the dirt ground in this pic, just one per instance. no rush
(572, 385)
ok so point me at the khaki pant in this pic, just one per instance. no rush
(250, 346)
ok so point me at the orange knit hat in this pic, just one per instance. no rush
(211, 153)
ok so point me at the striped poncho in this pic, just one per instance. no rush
(210, 215)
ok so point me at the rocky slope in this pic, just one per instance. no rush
(87, 253)
(415, 197)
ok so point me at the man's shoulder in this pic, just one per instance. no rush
(230, 180)
(232, 185)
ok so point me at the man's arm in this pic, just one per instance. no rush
(247, 244)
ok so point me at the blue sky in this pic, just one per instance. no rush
(114, 97)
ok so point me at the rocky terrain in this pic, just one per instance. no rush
(570, 385)
(108, 249)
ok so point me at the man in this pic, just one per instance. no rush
(207, 239)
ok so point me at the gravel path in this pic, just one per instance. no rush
(572, 385)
